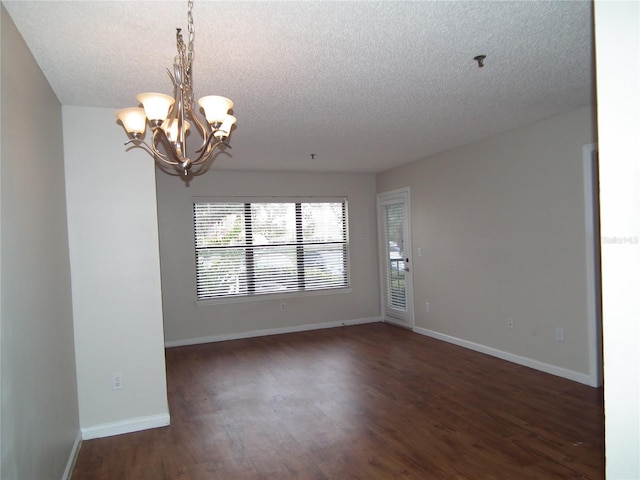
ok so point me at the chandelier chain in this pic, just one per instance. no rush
(188, 86)
(191, 28)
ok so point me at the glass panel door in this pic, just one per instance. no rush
(395, 250)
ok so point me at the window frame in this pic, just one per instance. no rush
(252, 297)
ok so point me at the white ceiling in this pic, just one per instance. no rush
(365, 86)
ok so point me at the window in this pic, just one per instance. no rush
(246, 248)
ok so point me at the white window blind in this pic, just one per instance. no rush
(246, 248)
(395, 281)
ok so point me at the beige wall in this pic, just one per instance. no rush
(502, 230)
(39, 399)
(115, 269)
(186, 322)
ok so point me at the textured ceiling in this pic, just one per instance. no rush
(364, 86)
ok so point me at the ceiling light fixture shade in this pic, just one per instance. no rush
(134, 120)
(225, 128)
(156, 106)
(170, 118)
(215, 107)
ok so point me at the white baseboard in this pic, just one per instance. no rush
(72, 457)
(527, 362)
(270, 331)
(125, 426)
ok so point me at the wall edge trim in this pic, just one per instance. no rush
(125, 426)
(270, 331)
(510, 357)
(73, 456)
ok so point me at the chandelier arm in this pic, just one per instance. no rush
(158, 132)
(137, 143)
(204, 130)
(151, 150)
(205, 154)
(171, 77)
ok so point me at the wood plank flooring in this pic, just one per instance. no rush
(363, 402)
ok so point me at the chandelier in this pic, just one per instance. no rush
(171, 118)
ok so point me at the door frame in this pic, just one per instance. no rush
(405, 195)
(592, 250)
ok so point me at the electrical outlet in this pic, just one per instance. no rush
(282, 307)
(510, 323)
(560, 334)
(117, 381)
(427, 307)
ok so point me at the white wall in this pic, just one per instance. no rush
(502, 230)
(618, 81)
(186, 322)
(40, 428)
(2, 14)
(117, 306)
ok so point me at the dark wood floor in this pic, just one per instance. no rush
(365, 402)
